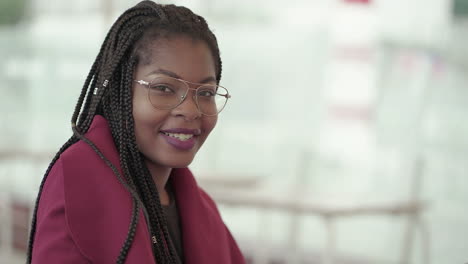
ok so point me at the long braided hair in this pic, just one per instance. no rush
(107, 91)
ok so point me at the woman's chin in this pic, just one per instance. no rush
(175, 162)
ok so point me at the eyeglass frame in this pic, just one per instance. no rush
(183, 97)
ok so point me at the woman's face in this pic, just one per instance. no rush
(171, 138)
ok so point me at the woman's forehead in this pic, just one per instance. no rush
(188, 58)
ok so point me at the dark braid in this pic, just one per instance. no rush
(108, 91)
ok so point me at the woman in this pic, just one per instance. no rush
(119, 189)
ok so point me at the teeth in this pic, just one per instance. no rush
(182, 137)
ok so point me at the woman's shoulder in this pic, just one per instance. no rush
(96, 205)
(100, 135)
(80, 165)
(88, 180)
(89, 184)
(83, 165)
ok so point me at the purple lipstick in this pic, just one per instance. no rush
(181, 138)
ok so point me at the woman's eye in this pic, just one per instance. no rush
(162, 88)
(206, 93)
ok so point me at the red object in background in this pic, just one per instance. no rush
(358, 1)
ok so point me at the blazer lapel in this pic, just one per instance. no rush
(204, 235)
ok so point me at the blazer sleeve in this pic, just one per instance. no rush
(53, 242)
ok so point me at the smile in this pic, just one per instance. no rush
(179, 136)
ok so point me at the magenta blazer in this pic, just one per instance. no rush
(84, 213)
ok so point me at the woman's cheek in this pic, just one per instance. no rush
(209, 123)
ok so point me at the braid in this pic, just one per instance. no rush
(131, 233)
(107, 91)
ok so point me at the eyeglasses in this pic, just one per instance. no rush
(167, 93)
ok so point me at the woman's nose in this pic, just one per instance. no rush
(188, 108)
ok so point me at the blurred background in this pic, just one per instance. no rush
(344, 142)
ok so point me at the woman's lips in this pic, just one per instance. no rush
(181, 138)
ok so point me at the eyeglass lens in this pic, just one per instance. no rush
(167, 93)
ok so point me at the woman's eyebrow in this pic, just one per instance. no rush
(175, 75)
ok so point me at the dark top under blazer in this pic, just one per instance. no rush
(84, 212)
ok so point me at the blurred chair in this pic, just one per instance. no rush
(296, 202)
